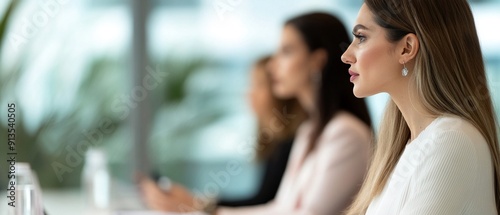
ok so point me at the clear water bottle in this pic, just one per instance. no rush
(96, 181)
(27, 192)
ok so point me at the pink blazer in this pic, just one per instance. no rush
(325, 181)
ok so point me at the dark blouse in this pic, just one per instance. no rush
(274, 168)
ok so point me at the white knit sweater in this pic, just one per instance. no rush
(446, 170)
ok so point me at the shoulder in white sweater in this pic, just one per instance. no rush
(446, 170)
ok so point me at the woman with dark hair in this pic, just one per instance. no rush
(277, 122)
(332, 148)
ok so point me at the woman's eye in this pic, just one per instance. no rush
(360, 37)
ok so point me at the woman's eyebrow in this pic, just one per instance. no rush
(359, 27)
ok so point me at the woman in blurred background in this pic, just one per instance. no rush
(332, 148)
(437, 152)
(278, 120)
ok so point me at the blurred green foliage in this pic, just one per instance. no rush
(104, 80)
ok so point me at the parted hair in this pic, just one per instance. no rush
(448, 77)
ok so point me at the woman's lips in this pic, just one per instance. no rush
(353, 75)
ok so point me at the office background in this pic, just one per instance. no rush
(70, 66)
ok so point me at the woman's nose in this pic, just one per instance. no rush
(347, 57)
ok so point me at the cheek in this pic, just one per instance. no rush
(258, 99)
(372, 60)
(377, 70)
(292, 64)
(293, 73)
(254, 102)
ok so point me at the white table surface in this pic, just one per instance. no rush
(71, 202)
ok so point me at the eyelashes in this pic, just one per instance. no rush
(359, 37)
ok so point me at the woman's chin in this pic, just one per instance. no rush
(359, 92)
(282, 94)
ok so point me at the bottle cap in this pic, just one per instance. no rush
(95, 156)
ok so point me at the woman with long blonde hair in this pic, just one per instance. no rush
(437, 150)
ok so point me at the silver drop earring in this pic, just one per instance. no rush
(405, 70)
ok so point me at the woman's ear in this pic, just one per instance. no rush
(409, 47)
(318, 59)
